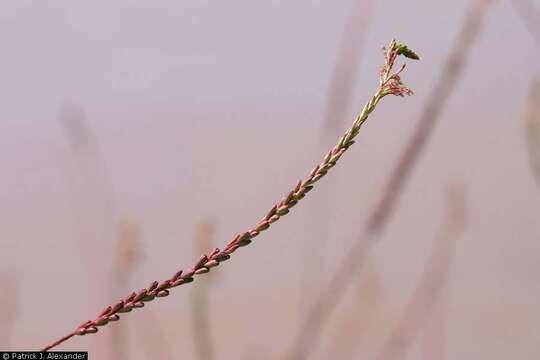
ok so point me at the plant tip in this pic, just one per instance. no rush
(408, 53)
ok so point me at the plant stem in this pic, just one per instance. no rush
(389, 84)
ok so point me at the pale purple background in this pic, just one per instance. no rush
(214, 108)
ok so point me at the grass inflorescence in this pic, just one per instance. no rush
(390, 83)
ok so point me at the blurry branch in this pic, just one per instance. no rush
(338, 100)
(128, 255)
(346, 66)
(97, 196)
(434, 331)
(445, 85)
(432, 284)
(82, 141)
(92, 191)
(533, 127)
(530, 16)
(8, 308)
(91, 164)
(449, 75)
(390, 83)
(357, 317)
(96, 210)
(202, 335)
(152, 338)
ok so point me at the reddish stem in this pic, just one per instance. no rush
(58, 342)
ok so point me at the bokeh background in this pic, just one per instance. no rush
(135, 135)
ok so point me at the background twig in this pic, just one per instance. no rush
(128, 255)
(202, 335)
(354, 322)
(338, 101)
(434, 331)
(533, 127)
(432, 284)
(330, 296)
(93, 200)
(530, 17)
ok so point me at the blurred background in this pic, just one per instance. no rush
(135, 136)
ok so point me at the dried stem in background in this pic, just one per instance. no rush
(128, 255)
(530, 16)
(96, 192)
(358, 317)
(533, 127)
(449, 76)
(312, 326)
(339, 94)
(96, 196)
(433, 282)
(96, 212)
(8, 308)
(202, 334)
(389, 84)
(338, 100)
(434, 331)
(152, 338)
(92, 192)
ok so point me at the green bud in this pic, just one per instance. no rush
(408, 53)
